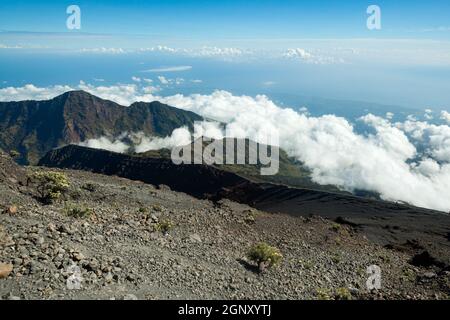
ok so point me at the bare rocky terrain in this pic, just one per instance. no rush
(114, 243)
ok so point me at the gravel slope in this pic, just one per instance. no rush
(121, 256)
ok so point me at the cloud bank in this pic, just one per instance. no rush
(169, 69)
(402, 161)
(115, 145)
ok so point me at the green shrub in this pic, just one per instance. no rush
(336, 227)
(340, 229)
(164, 226)
(250, 217)
(142, 210)
(323, 294)
(79, 212)
(50, 185)
(157, 207)
(14, 154)
(307, 265)
(339, 294)
(90, 187)
(264, 256)
(343, 294)
(409, 274)
(336, 258)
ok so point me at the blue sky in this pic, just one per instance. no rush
(253, 19)
(304, 54)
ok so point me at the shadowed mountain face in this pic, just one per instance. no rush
(290, 171)
(200, 181)
(36, 127)
(396, 225)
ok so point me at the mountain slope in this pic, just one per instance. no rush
(117, 251)
(35, 127)
(291, 172)
(10, 173)
(392, 224)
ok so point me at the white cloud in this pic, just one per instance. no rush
(124, 94)
(407, 161)
(217, 52)
(31, 92)
(106, 144)
(103, 50)
(308, 57)
(161, 48)
(151, 89)
(428, 114)
(298, 53)
(163, 80)
(434, 138)
(4, 46)
(169, 69)
(445, 116)
(179, 137)
(226, 53)
(333, 151)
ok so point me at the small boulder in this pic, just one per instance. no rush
(195, 238)
(5, 270)
(11, 210)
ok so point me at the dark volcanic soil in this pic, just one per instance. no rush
(117, 251)
(416, 231)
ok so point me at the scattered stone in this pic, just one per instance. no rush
(78, 256)
(131, 261)
(195, 238)
(429, 275)
(65, 229)
(51, 227)
(109, 277)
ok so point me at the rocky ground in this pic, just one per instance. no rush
(104, 233)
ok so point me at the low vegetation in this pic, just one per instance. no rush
(164, 226)
(14, 154)
(142, 210)
(323, 294)
(89, 187)
(342, 294)
(51, 186)
(338, 294)
(264, 256)
(250, 217)
(78, 211)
